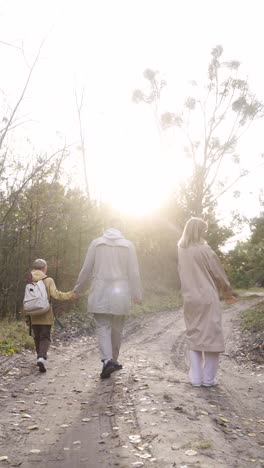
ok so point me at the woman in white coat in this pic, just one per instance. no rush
(202, 278)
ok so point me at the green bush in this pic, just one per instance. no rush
(253, 319)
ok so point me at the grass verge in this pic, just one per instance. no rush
(157, 301)
(250, 290)
(14, 338)
(253, 319)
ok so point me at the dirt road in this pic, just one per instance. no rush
(145, 415)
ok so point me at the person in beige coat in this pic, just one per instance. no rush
(111, 265)
(202, 278)
(41, 324)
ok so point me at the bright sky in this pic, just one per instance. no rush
(104, 46)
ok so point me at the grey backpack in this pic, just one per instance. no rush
(36, 301)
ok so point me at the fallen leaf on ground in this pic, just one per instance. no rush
(224, 419)
(32, 428)
(175, 447)
(143, 455)
(134, 439)
(190, 453)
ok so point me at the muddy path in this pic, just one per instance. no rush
(145, 415)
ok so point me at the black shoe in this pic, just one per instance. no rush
(108, 368)
(117, 365)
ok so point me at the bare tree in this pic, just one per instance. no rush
(8, 121)
(79, 106)
(224, 112)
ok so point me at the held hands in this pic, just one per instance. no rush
(75, 296)
(230, 297)
(137, 301)
(231, 300)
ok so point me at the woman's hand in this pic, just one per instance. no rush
(229, 296)
(137, 301)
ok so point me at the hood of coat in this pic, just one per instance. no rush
(37, 275)
(113, 234)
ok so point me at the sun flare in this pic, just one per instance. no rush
(142, 187)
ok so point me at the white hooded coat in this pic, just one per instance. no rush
(111, 265)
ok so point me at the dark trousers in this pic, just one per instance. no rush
(42, 339)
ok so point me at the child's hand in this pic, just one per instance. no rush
(75, 296)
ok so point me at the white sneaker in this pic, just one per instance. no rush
(42, 364)
(210, 384)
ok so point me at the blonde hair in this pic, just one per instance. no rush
(193, 233)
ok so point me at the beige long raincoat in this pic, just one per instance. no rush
(202, 276)
(111, 265)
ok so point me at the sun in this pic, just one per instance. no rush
(139, 201)
(134, 168)
(140, 186)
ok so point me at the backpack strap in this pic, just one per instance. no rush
(46, 277)
(54, 313)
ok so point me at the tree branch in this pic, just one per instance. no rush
(234, 182)
(10, 45)
(22, 94)
(25, 182)
(79, 112)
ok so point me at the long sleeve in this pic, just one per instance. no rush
(133, 274)
(216, 269)
(86, 270)
(54, 293)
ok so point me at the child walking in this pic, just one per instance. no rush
(42, 323)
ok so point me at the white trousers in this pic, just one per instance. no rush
(109, 331)
(203, 367)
